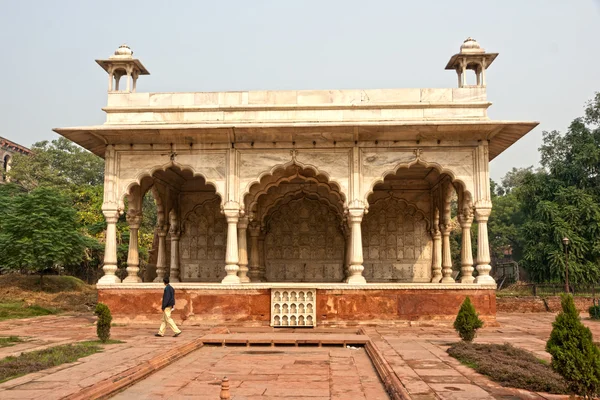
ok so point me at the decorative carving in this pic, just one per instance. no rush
(304, 243)
(396, 243)
(203, 243)
(293, 307)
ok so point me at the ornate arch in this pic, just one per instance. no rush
(281, 168)
(433, 165)
(149, 173)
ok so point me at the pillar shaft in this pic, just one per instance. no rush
(243, 250)
(483, 247)
(174, 233)
(231, 253)
(356, 268)
(466, 254)
(254, 265)
(161, 257)
(262, 267)
(436, 261)
(134, 219)
(110, 250)
(446, 254)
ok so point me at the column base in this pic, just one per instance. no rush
(158, 279)
(467, 279)
(171, 280)
(245, 280)
(436, 279)
(357, 280)
(485, 279)
(109, 279)
(448, 279)
(132, 279)
(231, 280)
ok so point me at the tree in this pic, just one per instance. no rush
(104, 322)
(574, 354)
(563, 200)
(467, 321)
(40, 232)
(59, 163)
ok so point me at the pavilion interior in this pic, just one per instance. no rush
(297, 227)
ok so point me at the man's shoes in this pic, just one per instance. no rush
(177, 334)
(157, 335)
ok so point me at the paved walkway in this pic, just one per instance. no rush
(55, 383)
(265, 373)
(416, 354)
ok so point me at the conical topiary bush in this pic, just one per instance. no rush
(467, 321)
(574, 354)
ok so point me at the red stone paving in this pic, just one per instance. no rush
(265, 373)
(416, 354)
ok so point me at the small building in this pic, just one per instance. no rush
(263, 194)
(8, 149)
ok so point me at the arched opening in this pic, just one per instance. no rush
(188, 242)
(300, 216)
(405, 233)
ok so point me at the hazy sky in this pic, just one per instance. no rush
(549, 63)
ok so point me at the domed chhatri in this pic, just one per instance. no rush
(470, 45)
(123, 51)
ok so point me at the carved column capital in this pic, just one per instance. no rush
(111, 216)
(465, 217)
(445, 229)
(482, 214)
(231, 210)
(162, 230)
(134, 219)
(243, 223)
(254, 229)
(355, 214)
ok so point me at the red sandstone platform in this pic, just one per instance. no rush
(337, 304)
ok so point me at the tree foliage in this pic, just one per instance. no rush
(39, 230)
(104, 322)
(467, 321)
(574, 354)
(59, 163)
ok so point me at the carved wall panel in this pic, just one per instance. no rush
(375, 164)
(133, 165)
(304, 243)
(203, 243)
(396, 244)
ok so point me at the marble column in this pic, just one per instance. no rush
(161, 257)
(348, 237)
(445, 228)
(436, 257)
(243, 250)
(134, 218)
(356, 268)
(174, 234)
(483, 247)
(262, 266)
(232, 214)
(254, 265)
(110, 250)
(466, 254)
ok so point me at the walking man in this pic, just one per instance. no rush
(168, 304)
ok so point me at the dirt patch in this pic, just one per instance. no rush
(509, 366)
(63, 293)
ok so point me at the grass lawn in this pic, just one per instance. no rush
(9, 341)
(19, 309)
(510, 366)
(13, 367)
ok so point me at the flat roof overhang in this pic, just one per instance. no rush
(501, 134)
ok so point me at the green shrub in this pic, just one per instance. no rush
(594, 311)
(104, 320)
(467, 321)
(574, 354)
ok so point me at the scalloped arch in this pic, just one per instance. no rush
(283, 167)
(440, 168)
(163, 167)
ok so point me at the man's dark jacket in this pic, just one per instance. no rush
(168, 297)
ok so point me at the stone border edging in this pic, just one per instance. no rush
(390, 381)
(118, 382)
